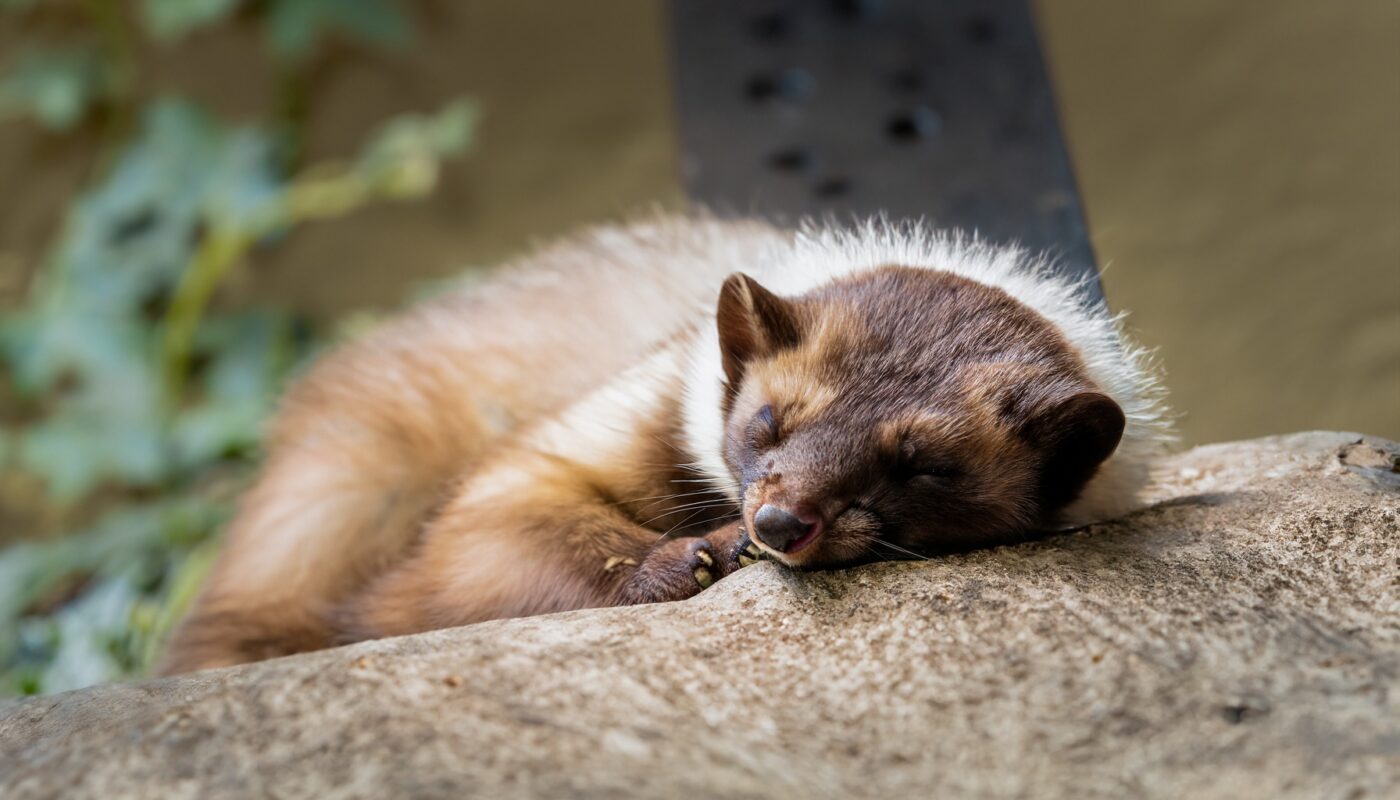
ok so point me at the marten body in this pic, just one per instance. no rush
(609, 421)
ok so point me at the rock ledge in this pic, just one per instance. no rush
(1239, 638)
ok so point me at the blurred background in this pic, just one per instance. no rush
(201, 194)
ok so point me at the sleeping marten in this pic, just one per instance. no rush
(634, 413)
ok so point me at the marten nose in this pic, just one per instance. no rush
(786, 531)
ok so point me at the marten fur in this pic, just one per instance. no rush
(633, 413)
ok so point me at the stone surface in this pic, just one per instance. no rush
(1239, 638)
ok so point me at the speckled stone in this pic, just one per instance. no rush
(1240, 638)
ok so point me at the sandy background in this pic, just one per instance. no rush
(1240, 164)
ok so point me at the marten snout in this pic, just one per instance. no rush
(787, 531)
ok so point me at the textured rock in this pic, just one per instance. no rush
(1240, 638)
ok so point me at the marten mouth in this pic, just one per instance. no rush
(802, 542)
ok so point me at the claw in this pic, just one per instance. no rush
(704, 577)
(749, 554)
(614, 562)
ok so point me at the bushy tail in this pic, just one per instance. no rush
(360, 453)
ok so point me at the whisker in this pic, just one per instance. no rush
(668, 496)
(658, 437)
(703, 506)
(899, 549)
(697, 469)
(682, 524)
(717, 498)
(661, 498)
(679, 524)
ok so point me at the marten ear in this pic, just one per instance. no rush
(1071, 423)
(1077, 429)
(753, 322)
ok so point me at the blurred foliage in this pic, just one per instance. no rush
(57, 87)
(139, 405)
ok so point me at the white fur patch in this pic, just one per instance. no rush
(596, 427)
(819, 254)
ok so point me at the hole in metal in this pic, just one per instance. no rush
(775, 27)
(856, 9)
(920, 122)
(833, 187)
(792, 84)
(792, 159)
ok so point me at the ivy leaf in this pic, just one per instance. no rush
(242, 184)
(88, 337)
(254, 352)
(86, 348)
(134, 234)
(404, 156)
(111, 429)
(86, 635)
(294, 27)
(168, 20)
(126, 549)
(120, 540)
(55, 87)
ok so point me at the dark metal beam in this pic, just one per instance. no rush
(935, 109)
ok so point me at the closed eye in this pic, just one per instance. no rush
(764, 428)
(940, 472)
(914, 465)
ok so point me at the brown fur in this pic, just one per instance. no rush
(520, 451)
(951, 369)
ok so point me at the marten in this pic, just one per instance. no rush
(637, 411)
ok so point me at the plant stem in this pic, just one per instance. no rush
(333, 193)
(219, 251)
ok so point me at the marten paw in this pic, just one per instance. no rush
(739, 551)
(681, 568)
(674, 570)
(716, 558)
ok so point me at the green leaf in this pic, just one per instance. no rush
(404, 156)
(55, 87)
(295, 27)
(136, 231)
(86, 349)
(253, 354)
(127, 549)
(171, 19)
(88, 630)
(115, 543)
(88, 337)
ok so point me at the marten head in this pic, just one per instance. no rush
(902, 412)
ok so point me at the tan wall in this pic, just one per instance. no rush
(1240, 163)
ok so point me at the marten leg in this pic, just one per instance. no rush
(545, 547)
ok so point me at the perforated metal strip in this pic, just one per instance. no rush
(936, 109)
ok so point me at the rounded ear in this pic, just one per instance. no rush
(753, 322)
(1073, 425)
(1078, 430)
